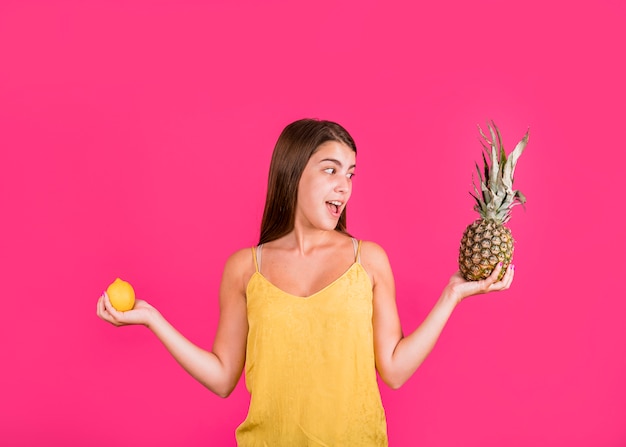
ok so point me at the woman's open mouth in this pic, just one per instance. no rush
(335, 207)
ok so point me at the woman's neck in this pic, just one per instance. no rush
(304, 241)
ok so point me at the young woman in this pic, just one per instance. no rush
(310, 312)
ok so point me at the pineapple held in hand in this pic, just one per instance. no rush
(486, 242)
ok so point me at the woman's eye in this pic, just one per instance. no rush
(329, 171)
(350, 175)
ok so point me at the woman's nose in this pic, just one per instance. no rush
(343, 184)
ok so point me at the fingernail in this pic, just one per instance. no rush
(500, 264)
(512, 267)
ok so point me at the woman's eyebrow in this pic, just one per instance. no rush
(337, 162)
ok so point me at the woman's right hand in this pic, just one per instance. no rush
(461, 288)
(141, 313)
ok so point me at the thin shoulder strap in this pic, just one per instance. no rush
(256, 266)
(256, 253)
(357, 250)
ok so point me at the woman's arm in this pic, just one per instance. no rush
(397, 356)
(220, 369)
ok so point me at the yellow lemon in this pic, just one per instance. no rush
(121, 294)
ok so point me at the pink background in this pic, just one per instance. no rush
(135, 139)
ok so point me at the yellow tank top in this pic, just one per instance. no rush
(310, 366)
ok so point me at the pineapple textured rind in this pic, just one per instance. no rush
(487, 241)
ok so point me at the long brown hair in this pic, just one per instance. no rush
(296, 144)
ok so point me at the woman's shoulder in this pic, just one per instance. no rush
(373, 256)
(241, 261)
(375, 261)
(373, 250)
(241, 254)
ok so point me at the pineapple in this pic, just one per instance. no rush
(487, 241)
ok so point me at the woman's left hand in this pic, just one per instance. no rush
(461, 289)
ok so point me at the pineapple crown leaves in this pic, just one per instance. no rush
(497, 196)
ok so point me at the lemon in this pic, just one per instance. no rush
(121, 294)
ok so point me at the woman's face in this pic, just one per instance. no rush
(325, 186)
